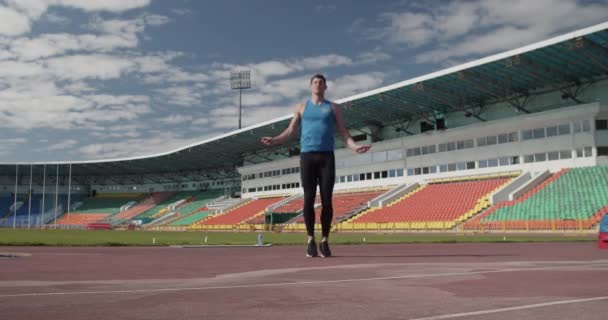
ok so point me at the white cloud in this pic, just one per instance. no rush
(95, 66)
(57, 19)
(63, 145)
(182, 11)
(325, 8)
(17, 18)
(186, 96)
(160, 142)
(175, 119)
(470, 28)
(13, 22)
(349, 85)
(105, 5)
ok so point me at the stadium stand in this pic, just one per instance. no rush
(237, 215)
(573, 198)
(433, 206)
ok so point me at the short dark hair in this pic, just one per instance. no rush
(318, 76)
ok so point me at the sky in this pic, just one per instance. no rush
(86, 80)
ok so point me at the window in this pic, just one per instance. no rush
(417, 171)
(553, 155)
(515, 160)
(349, 178)
(601, 124)
(432, 148)
(539, 133)
(539, 157)
(481, 141)
(425, 170)
(602, 151)
(470, 165)
(565, 154)
(588, 152)
(504, 161)
(451, 146)
(552, 131)
(483, 163)
(452, 167)
(493, 163)
(410, 172)
(461, 166)
(528, 134)
(443, 168)
(392, 173)
(384, 174)
(433, 169)
(577, 126)
(399, 172)
(492, 140)
(377, 175)
(443, 147)
(563, 129)
(579, 153)
(355, 177)
(342, 179)
(503, 138)
(528, 158)
(425, 150)
(586, 126)
(469, 144)
(368, 176)
(394, 155)
(379, 156)
(460, 145)
(362, 176)
(513, 137)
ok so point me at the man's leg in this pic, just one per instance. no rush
(326, 185)
(309, 175)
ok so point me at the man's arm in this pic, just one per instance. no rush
(348, 140)
(291, 130)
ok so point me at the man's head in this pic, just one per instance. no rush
(318, 84)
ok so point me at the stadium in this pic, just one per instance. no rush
(514, 143)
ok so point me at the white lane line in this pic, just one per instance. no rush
(522, 307)
(280, 284)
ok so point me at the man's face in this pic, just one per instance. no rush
(317, 86)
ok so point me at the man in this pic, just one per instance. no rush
(318, 118)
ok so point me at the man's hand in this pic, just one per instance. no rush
(361, 149)
(267, 141)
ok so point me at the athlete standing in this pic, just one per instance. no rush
(318, 119)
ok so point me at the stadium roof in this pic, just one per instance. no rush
(559, 63)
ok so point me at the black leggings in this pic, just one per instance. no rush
(318, 168)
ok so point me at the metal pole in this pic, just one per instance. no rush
(240, 95)
(43, 193)
(69, 190)
(56, 193)
(29, 206)
(15, 203)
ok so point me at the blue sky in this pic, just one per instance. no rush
(83, 79)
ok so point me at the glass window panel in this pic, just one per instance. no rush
(492, 140)
(493, 163)
(539, 157)
(503, 138)
(553, 155)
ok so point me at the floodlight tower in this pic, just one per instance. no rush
(240, 80)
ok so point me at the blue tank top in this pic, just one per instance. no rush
(317, 127)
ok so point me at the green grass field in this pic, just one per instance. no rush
(23, 237)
